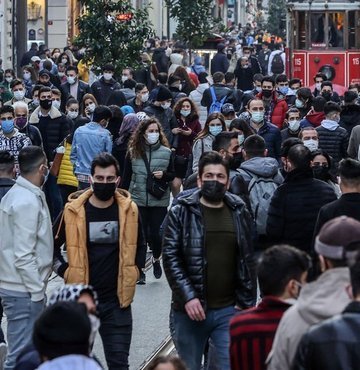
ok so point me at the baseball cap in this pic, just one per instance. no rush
(227, 108)
(35, 58)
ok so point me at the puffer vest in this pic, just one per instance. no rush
(66, 172)
(159, 159)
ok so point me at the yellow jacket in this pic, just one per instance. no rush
(66, 172)
(76, 243)
(83, 69)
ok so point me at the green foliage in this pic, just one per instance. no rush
(109, 40)
(195, 21)
(276, 23)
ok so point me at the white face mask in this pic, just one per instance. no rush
(241, 139)
(61, 74)
(228, 123)
(311, 144)
(91, 107)
(19, 95)
(166, 105)
(73, 114)
(107, 76)
(152, 137)
(27, 76)
(294, 125)
(71, 80)
(145, 97)
(8, 79)
(124, 78)
(64, 60)
(56, 104)
(318, 86)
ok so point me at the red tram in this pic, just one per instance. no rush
(324, 36)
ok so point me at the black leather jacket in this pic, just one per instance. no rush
(184, 258)
(333, 344)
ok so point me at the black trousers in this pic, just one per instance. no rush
(152, 218)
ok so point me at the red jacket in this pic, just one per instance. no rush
(278, 108)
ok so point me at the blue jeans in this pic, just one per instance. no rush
(21, 314)
(190, 337)
(115, 331)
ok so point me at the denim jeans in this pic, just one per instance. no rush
(190, 337)
(115, 331)
(21, 314)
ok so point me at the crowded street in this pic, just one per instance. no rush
(179, 185)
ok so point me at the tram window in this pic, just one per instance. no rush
(317, 30)
(336, 30)
(352, 30)
(302, 30)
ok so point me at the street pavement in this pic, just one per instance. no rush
(150, 309)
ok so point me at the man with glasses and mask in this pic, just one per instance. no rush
(90, 140)
(105, 248)
(26, 250)
(208, 262)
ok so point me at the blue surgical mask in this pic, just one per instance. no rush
(257, 117)
(215, 130)
(184, 112)
(7, 126)
(299, 103)
(241, 139)
(284, 89)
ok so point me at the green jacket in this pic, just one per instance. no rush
(159, 159)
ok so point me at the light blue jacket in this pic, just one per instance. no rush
(89, 141)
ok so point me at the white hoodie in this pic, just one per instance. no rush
(26, 240)
(71, 362)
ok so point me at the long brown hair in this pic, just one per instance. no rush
(194, 112)
(182, 73)
(85, 97)
(137, 142)
(211, 117)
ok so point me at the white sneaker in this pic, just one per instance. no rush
(3, 353)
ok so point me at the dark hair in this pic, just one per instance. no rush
(305, 94)
(278, 265)
(11, 71)
(268, 79)
(322, 152)
(56, 91)
(229, 76)
(71, 101)
(291, 110)
(281, 78)
(101, 112)
(349, 172)
(16, 83)
(47, 64)
(7, 162)
(355, 276)
(320, 75)
(105, 160)
(36, 88)
(254, 146)
(241, 124)
(203, 77)
(44, 89)
(223, 140)
(7, 109)
(209, 158)
(129, 84)
(350, 96)
(194, 112)
(162, 78)
(327, 83)
(318, 103)
(258, 77)
(287, 144)
(177, 363)
(72, 68)
(139, 86)
(294, 81)
(330, 107)
(211, 117)
(108, 67)
(300, 156)
(218, 77)
(30, 158)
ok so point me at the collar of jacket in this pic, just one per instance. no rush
(79, 198)
(299, 174)
(151, 148)
(353, 307)
(29, 185)
(53, 113)
(4, 181)
(230, 200)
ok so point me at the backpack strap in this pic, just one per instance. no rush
(213, 95)
(147, 164)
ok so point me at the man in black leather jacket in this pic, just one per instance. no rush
(208, 261)
(334, 344)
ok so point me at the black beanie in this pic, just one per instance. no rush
(163, 94)
(62, 329)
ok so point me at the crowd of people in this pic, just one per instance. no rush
(243, 184)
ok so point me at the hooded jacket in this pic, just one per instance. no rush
(184, 254)
(26, 246)
(176, 61)
(318, 301)
(129, 238)
(313, 119)
(74, 362)
(196, 96)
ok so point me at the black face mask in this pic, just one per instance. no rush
(104, 191)
(267, 93)
(235, 161)
(213, 191)
(321, 173)
(46, 104)
(326, 95)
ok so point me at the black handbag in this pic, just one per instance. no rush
(155, 187)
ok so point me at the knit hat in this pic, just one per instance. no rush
(71, 293)
(163, 94)
(336, 237)
(44, 72)
(227, 108)
(63, 328)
